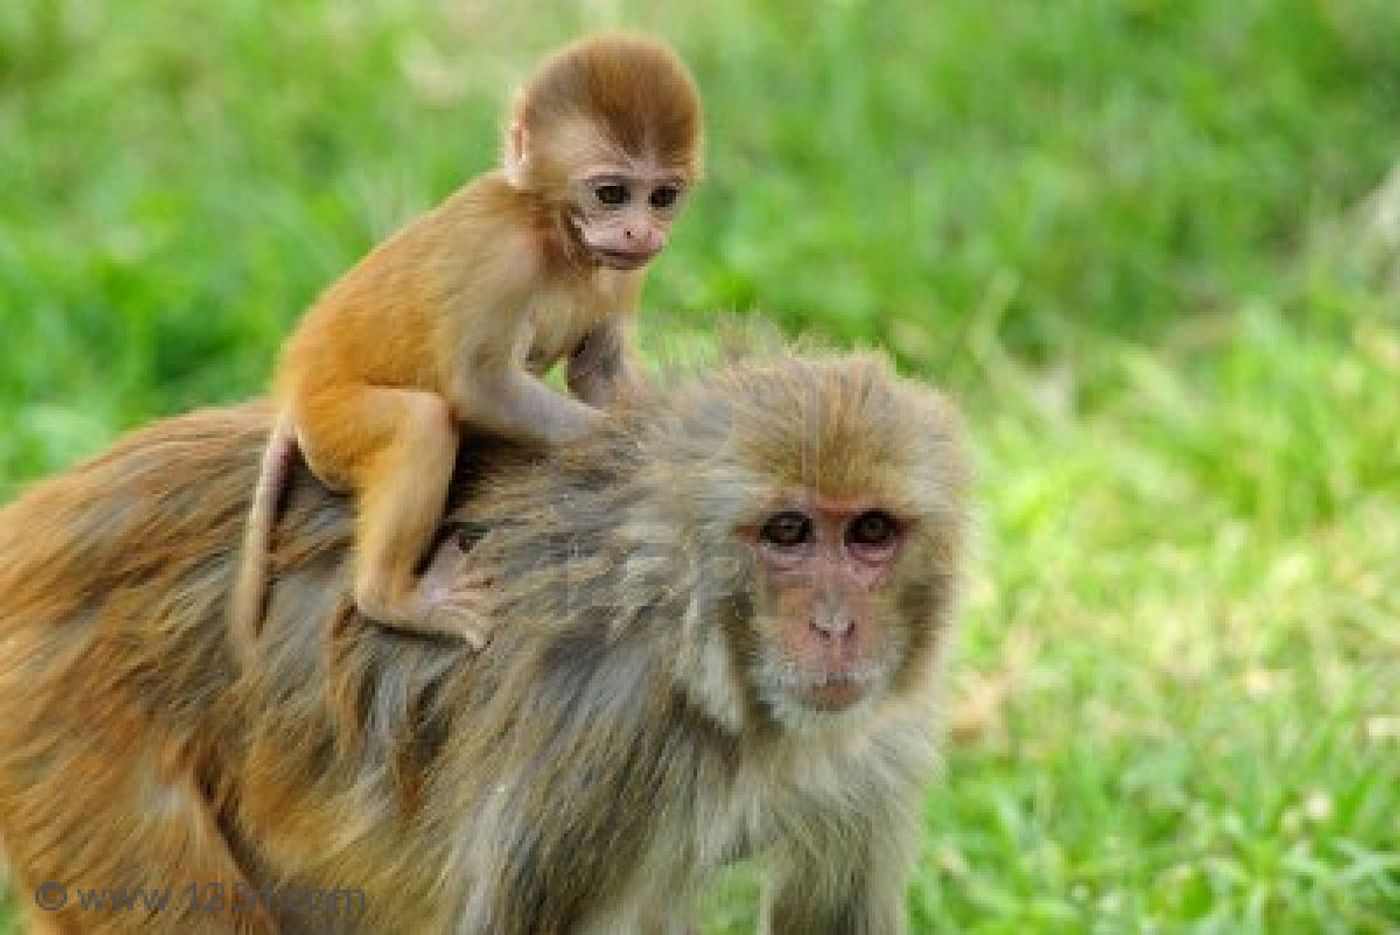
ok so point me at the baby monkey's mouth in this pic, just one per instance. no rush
(623, 259)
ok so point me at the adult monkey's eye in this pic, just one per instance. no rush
(873, 527)
(663, 196)
(611, 193)
(786, 529)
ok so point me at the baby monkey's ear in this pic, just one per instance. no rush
(517, 141)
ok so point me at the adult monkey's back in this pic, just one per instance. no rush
(726, 613)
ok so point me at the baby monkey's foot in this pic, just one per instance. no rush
(457, 595)
(450, 599)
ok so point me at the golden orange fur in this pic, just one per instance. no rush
(453, 320)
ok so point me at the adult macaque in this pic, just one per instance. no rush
(453, 320)
(721, 619)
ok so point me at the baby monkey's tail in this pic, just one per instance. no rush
(247, 604)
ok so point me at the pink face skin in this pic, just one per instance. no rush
(620, 205)
(824, 563)
(624, 215)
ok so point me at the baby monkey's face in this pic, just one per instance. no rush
(623, 213)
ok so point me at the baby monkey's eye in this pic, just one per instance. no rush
(611, 193)
(663, 196)
(872, 528)
(786, 529)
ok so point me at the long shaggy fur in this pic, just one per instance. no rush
(582, 774)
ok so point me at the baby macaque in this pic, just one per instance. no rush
(453, 320)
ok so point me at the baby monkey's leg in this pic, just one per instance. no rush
(396, 450)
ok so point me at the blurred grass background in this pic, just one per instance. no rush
(1147, 242)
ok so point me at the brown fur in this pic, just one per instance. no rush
(452, 321)
(614, 743)
(636, 87)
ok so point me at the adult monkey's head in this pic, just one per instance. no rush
(801, 518)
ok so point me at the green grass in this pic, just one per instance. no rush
(1130, 234)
